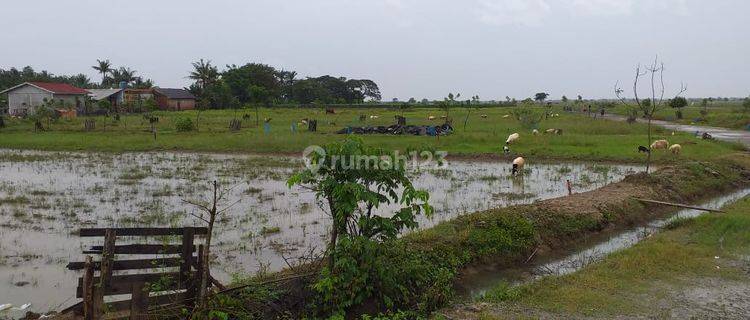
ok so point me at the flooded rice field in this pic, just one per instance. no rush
(45, 197)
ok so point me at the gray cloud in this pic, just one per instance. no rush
(412, 48)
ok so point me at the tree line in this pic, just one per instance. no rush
(111, 77)
(261, 84)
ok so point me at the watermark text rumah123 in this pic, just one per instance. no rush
(410, 160)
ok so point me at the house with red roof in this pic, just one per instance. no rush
(24, 98)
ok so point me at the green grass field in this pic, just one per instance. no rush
(583, 138)
(720, 114)
(645, 280)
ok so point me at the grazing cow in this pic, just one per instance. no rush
(330, 111)
(643, 149)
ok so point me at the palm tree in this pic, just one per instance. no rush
(204, 73)
(123, 74)
(103, 67)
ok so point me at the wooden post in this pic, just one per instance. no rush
(88, 287)
(105, 277)
(139, 301)
(199, 271)
(187, 263)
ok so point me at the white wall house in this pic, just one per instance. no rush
(24, 98)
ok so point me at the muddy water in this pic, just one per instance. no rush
(592, 251)
(45, 197)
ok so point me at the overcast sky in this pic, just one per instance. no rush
(411, 48)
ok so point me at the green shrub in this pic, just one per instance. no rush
(184, 125)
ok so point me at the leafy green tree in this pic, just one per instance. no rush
(541, 96)
(354, 182)
(473, 102)
(259, 95)
(678, 103)
(447, 103)
(241, 79)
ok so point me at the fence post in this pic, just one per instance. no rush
(88, 286)
(139, 301)
(187, 263)
(199, 272)
(105, 274)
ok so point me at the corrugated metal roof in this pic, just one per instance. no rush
(100, 94)
(175, 93)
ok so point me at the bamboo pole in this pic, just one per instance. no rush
(677, 205)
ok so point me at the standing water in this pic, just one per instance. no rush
(45, 197)
(592, 251)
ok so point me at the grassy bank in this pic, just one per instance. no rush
(583, 138)
(416, 272)
(720, 114)
(698, 269)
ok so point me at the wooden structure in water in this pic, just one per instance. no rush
(161, 280)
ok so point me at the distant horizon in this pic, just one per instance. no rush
(410, 48)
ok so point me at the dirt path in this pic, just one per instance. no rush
(723, 134)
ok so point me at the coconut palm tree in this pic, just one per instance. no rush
(204, 73)
(123, 74)
(103, 67)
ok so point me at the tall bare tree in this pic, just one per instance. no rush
(208, 211)
(656, 101)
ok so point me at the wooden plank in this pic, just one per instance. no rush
(187, 263)
(117, 288)
(139, 301)
(140, 249)
(143, 277)
(677, 205)
(131, 264)
(122, 232)
(161, 300)
(87, 287)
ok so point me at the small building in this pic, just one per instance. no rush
(174, 99)
(114, 96)
(24, 98)
(137, 96)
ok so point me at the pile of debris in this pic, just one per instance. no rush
(440, 130)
